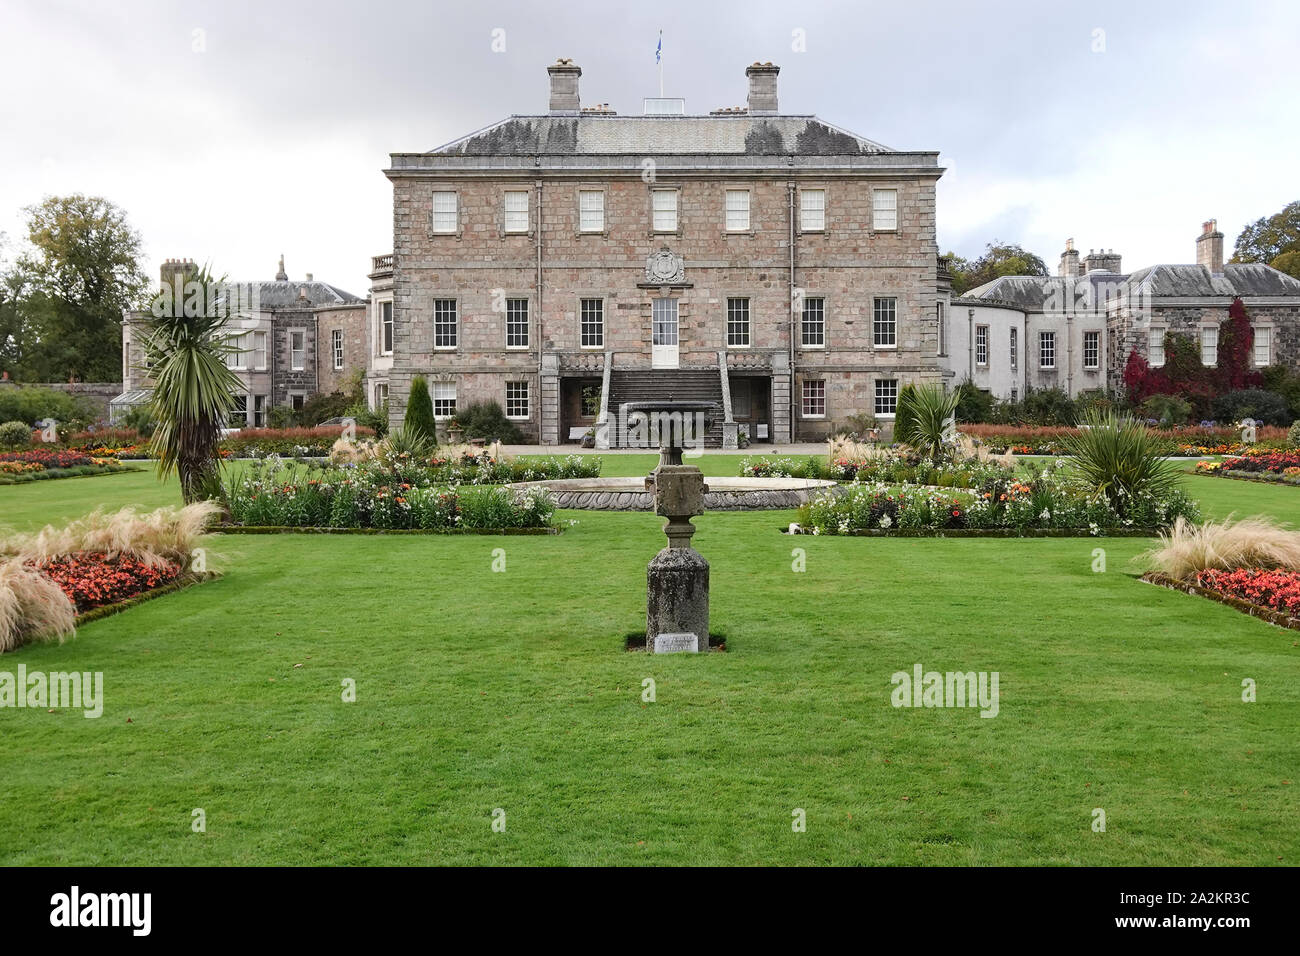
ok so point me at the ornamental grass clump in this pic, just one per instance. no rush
(1118, 459)
(32, 607)
(1258, 542)
(165, 536)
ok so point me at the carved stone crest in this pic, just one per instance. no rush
(665, 267)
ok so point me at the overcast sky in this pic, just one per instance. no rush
(235, 131)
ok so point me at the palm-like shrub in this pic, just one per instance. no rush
(1118, 458)
(185, 353)
(924, 418)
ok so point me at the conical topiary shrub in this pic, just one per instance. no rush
(418, 423)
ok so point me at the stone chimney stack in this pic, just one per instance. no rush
(762, 87)
(1101, 260)
(178, 269)
(1209, 247)
(564, 87)
(280, 274)
(1069, 267)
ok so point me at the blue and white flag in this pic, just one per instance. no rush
(660, 47)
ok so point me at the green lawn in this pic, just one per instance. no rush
(479, 690)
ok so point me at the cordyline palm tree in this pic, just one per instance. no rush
(193, 393)
(1118, 458)
(924, 418)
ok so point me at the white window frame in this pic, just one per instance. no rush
(260, 404)
(527, 401)
(1156, 356)
(297, 399)
(591, 210)
(739, 322)
(1014, 346)
(336, 348)
(884, 210)
(982, 346)
(813, 327)
(591, 334)
(812, 390)
(515, 220)
(237, 360)
(884, 332)
(1095, 364)
(237, 413)
(520, 342)
(941, 326)
(298, 356)
(664, 209)
(1046, 344)
(812, 210)
(735, 210)
(1209, 345)
(886, 391)
(455, 325)
(259, 351)
(443, 393)
(444, 212)
(380, 395)
(1264, 336)
(386, 326)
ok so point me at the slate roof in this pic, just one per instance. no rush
(743, 134)
(284, 294)
(1238, 279)
(1031, 293)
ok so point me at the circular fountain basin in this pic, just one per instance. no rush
(724, 494)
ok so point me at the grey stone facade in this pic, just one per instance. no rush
(270, 313)
(464, 253)
(1132, 311)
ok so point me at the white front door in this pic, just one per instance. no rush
(663, 337)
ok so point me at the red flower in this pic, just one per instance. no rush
(92, 579)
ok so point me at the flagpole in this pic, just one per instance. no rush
(660, 60)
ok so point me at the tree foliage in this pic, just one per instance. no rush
(1269, 238)
(62, 300)
(999, 259)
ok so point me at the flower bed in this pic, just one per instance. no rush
(1257, 464)
(886, 468)
(95, 579)
(1258, 593)
(1042, 501)
(1188, 441)
(286, 442)
(45, 463)
(398, 493)
(55, 578)
(1278, 590)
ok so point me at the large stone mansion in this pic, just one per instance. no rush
(565, 263)
(562, 264)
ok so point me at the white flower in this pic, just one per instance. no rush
(1046, 515)
(886, 521)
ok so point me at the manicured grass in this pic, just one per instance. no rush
(479, 690)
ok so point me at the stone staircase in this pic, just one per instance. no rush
(648, 385)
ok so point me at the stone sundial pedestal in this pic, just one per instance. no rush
(677, 578)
